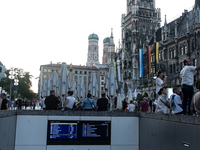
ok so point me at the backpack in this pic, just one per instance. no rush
(173, 106)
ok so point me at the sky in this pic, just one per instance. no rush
(36, 32)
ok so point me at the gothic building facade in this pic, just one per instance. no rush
(178, 40)
(140, 22)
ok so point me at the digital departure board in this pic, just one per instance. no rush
(63, 130)
(96, 132)
(78, 132)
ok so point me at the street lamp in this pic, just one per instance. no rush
(11, 77)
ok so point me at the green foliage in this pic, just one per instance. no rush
(24, 87)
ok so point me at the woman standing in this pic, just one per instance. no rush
(88, 103)
(163, 103)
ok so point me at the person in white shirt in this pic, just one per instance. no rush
(69, 102)
(131, 107)
(43, 103)
(176, 102)
(159, 82)
(187, 82)
(163, 103)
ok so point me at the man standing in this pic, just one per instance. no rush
(159, 82)
(102, 103)
(4, 104)
(51, 101)
(34, 103)
(144, 106)
(19, 104)
(187, 81)
(176, 102)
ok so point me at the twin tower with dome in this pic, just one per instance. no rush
(93, 50)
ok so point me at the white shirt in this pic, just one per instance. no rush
(43, 103)
(70, 102)
(187, 75)
(162, 100)
(177, 101)
(131, 108)
(159, 83)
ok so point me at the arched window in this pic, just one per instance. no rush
(185, 48)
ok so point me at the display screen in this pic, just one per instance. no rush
(78, 132)
(95, 132)
(63, 130)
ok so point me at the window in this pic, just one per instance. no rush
(76, 72)
(171, 54)
(102, 83)
(45, 76)
(76, 78)
(170, 68)
(102, 88)
(186, 51)
(182, 51)
(102, 78)
(194, 62)
(148, 4)
(174, 68)
(142, 3)
(143, 29)
(85, 78)
(85, 72)
(174, 53)
(0, 69)
(45, 70)
(80, 72)
(49, 70)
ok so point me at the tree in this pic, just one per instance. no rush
(24, 87)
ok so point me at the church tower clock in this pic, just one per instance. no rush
(93, 50)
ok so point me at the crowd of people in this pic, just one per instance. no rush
(184, 102)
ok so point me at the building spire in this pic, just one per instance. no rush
(165, 19)
(111, 37)
(111, 32)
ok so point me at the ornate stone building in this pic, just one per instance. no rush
(178, 40)
(138, 24)
(93, 50)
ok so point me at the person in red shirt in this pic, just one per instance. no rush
(34, 103)
(144, 106)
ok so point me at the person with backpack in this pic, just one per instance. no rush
(176, 102)
(163, 103)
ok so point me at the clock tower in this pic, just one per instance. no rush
(93, 50)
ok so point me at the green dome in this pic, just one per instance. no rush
(106, 40)
(93, 36)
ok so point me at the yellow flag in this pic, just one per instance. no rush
(157, 53)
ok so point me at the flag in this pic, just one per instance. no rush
(149, 59)
(157, 52)
(141, 62)
(118, 69)
(114, 65)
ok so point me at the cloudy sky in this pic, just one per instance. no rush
(35, 32)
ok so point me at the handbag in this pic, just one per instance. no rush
(93, 107)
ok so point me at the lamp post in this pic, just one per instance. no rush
(11, 77)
